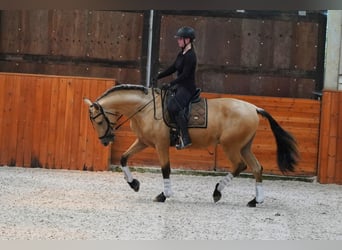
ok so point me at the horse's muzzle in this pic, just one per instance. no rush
(107, 139)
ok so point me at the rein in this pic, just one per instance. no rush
(154, 105)
(131, 116)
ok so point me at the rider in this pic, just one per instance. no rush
(184, 86)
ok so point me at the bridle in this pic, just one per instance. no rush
(110, 125)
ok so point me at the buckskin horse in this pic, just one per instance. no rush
(232, 123)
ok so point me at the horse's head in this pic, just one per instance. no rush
(101, 122)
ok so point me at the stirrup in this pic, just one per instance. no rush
(181, 145)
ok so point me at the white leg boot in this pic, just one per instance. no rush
(225, 182)
(167, 188)
(259, 192)
(128, 176)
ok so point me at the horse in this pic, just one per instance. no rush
(232, 123)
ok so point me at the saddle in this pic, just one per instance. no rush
(196, 112)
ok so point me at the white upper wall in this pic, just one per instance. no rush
(333, 51)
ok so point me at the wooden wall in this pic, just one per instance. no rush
(330, 150)
(259, 54)
(299, 116)
(89, 43)
(44, 122)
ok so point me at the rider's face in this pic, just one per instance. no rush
(182, 42)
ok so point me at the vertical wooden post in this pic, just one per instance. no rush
(330, 148)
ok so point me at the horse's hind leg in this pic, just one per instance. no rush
(251, 160)
(136, 147)
(238, 167)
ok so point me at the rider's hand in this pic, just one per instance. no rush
(165, 86)
(154, 81)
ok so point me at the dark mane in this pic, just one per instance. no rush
(124, 87)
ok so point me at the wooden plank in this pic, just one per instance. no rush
(61, 120)
(305, 45)
(11, 26)
(53, 120)
(250, 47)
(74, 125)
(69, 34)
(333, 140)
(68, 121)
(282, 44)
(28, 115)
(232, 42)
(37, 123)
(34, 29)
(338, 163)
(13, 117)
(266, 44)
(324, 137)
(7, 102)
(21, 99)
(45, 124)
(4, 85)
(85, 127)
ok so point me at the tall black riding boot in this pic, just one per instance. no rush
(184, 140)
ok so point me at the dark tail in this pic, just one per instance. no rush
(287, 152)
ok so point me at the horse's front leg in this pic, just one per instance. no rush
(136, 147)
(163, 153)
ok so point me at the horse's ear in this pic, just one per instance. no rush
(96, 105)
(87, 101)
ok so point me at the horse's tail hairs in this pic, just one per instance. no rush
(287, 152)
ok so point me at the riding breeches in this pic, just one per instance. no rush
(179, 100)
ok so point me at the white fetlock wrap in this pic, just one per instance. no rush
(225, 182)
(259, 192)
(167, 188)
(128, 176)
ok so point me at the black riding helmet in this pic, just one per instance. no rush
(186, 32)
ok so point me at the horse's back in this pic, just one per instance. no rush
(232, 108)
(230, 121)
(233, 115)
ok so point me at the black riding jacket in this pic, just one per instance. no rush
(185, 65)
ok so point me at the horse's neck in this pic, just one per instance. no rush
(125, 103)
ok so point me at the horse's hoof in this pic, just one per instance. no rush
(135, 185)
(217, 194)
(160, 198)
(253, 203)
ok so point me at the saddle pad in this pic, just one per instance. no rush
(198, 115)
